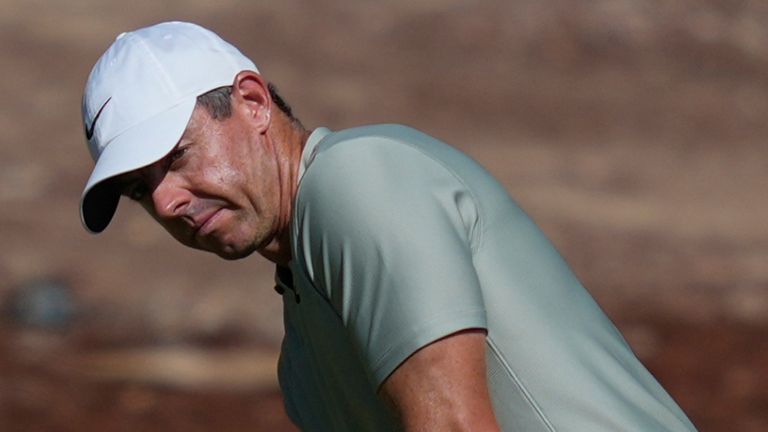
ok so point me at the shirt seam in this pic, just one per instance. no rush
(524, 390)
(481, 221)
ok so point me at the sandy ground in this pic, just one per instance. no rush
(633, 132)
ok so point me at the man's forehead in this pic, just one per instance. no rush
(200, 123)
(197, 121)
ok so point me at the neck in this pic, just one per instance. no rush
(289, 138)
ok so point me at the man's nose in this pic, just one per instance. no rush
(170, 200)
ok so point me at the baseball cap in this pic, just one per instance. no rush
(139, 98)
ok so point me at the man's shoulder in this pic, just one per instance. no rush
(379, 145)
(367, 161)
(389, 131)
(370, 139)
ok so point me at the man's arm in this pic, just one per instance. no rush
(443, 387)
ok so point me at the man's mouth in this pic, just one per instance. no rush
(207, 223)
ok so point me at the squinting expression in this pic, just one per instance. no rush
(217, 190)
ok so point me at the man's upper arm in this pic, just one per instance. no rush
(443, 387)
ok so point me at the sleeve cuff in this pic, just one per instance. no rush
(418, 337)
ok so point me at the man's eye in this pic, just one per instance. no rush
(176, 154)
(136, 192)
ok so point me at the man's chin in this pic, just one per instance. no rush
(226, 251)
(230, 248)
(231, 253)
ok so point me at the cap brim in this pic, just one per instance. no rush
(137, 147)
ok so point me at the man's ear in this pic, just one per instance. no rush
(251, 95)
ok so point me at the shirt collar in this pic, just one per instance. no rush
(310, 148)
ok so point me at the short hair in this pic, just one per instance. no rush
(218, 102)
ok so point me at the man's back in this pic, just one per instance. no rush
(400, 240)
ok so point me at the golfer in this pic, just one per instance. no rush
(417, 295)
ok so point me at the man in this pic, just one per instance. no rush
(417, 295)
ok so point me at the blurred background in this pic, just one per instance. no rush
(634, 132)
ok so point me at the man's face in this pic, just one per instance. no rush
(217, 190)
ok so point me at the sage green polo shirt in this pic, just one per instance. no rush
(399, 240)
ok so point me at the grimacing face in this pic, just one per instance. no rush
(217, 190)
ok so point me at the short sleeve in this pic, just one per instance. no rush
(387, 233)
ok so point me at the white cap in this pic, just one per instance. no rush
(139, 98)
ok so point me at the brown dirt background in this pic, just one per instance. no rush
(634, 132)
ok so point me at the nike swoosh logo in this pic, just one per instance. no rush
(89, 130)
